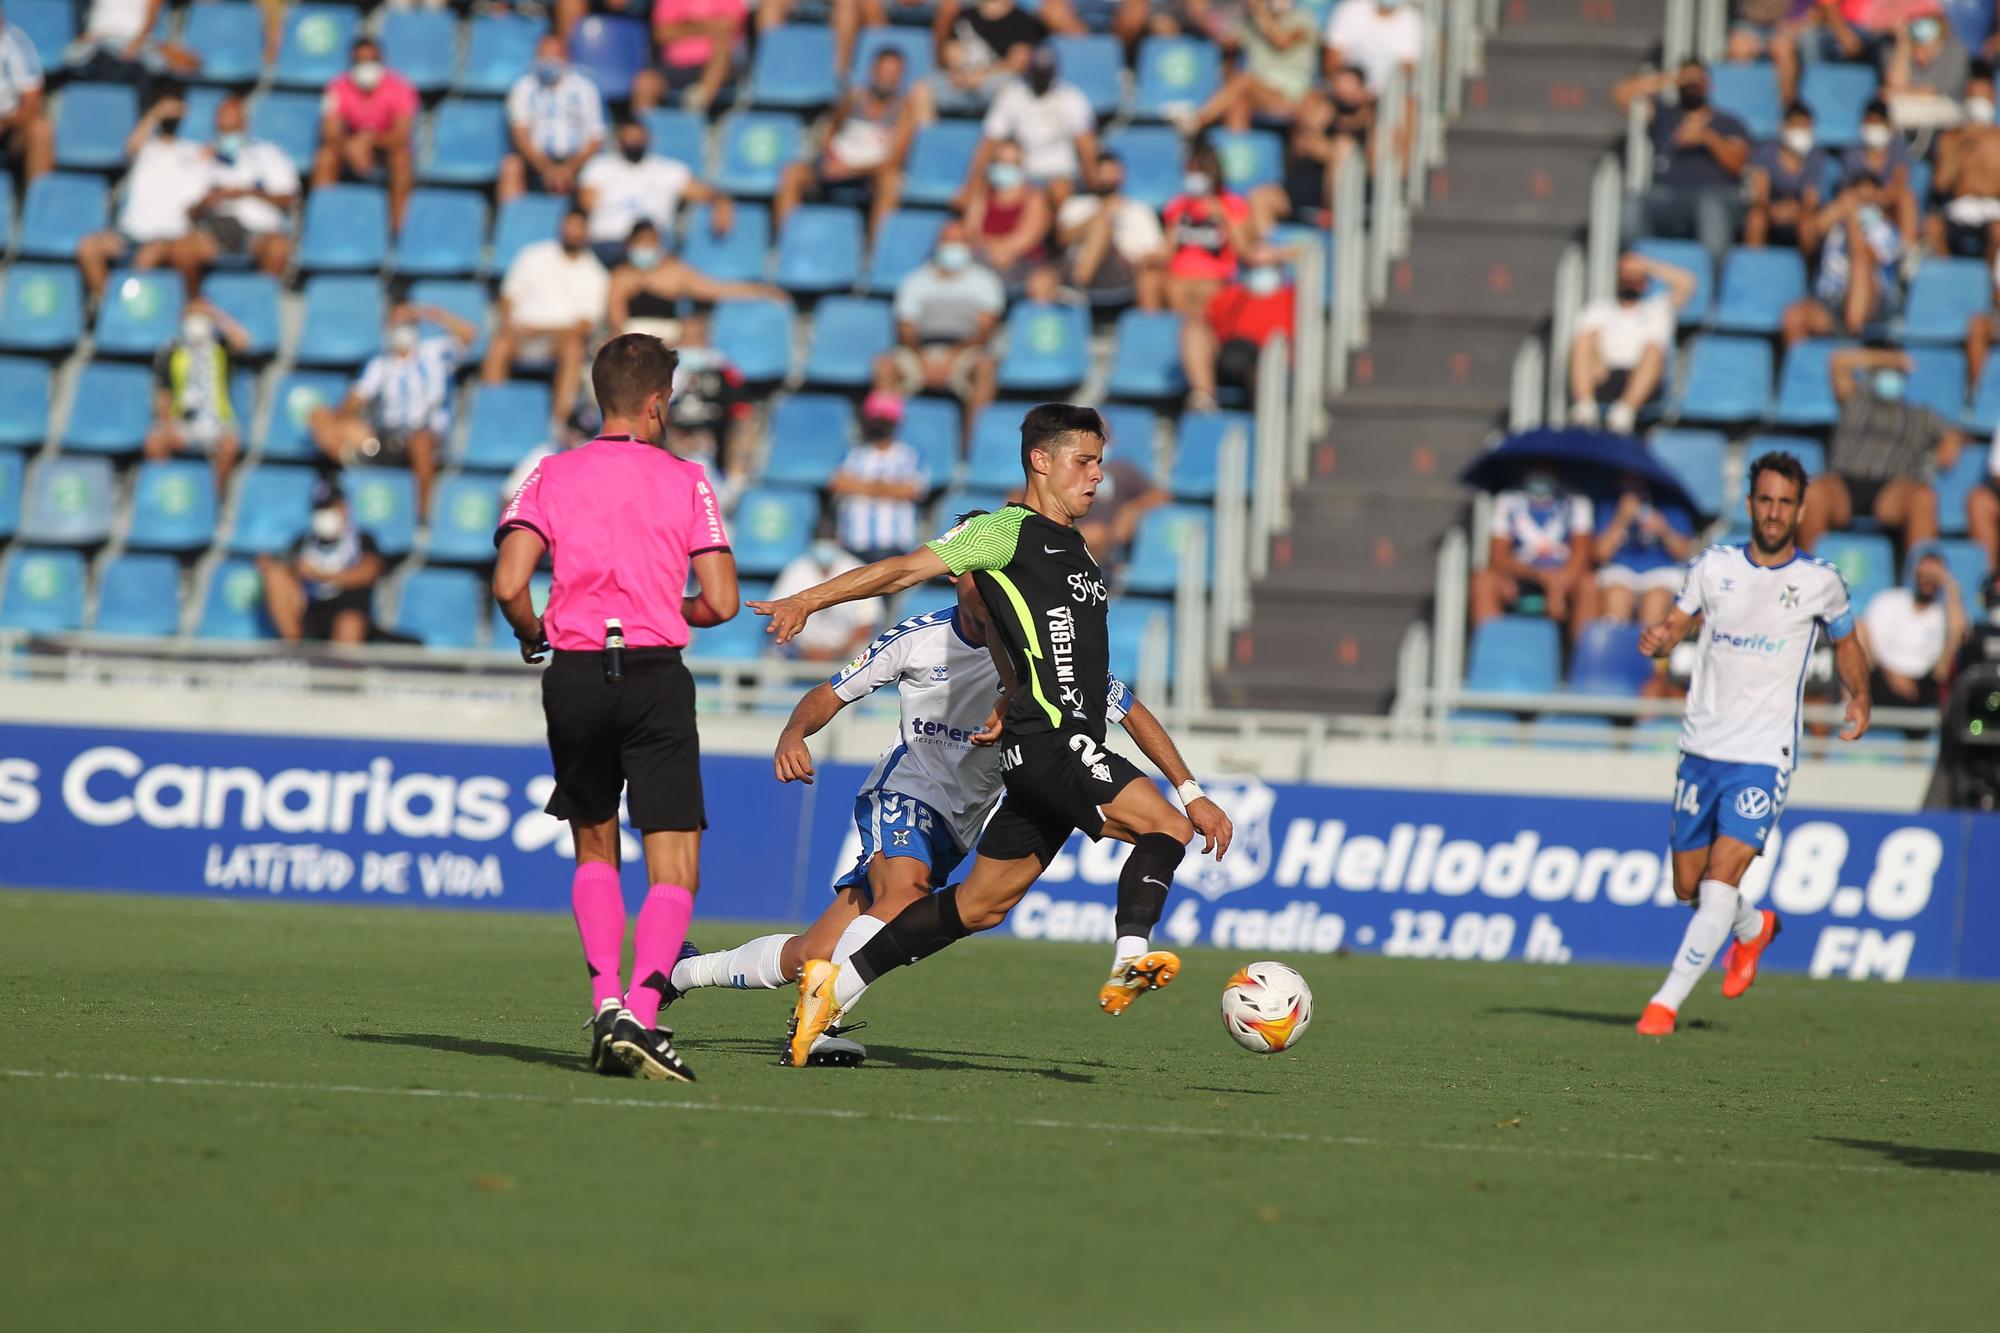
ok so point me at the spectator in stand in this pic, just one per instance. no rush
(554, 294)
(569, 13)
(1126, 494)
(846, 18)
(1278, 57)
(697, 41)
(27, 139)
(1220, 21)
(1753, 27)
(1223, 345)
(1698, 158)
(117, 45)
(1542, 543)
(946, 312)
(1207, 227)
(867, 142)
(1966, 182)
(324, 587)
(399, 410)
(1112, 244)
(879, 485)
(555, 117)
(838, 632)
(367, 120)
(1052, 122)
(1857, 266)
(711, 419)
(1618, 353)
(1982, 511)
(1883, 451)
(984, 46)
(1912, 636)
(1007, 218)
(1831, 30)
(191, 407)
(1924, 73)
(1785, 178)
(1641, 552)
(168, 178)
(252, 185)
(1884, 158)
(1378, 37)
(647, 290)
(634, 184)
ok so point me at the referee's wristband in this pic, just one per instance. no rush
(1189, 792)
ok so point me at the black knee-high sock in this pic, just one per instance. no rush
(1143, 883)
(916, 932)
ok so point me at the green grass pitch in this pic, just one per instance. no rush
(249, 1115)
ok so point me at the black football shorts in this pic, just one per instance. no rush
(1055, 783)
(638, 733)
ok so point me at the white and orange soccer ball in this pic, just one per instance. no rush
(1266, 1007)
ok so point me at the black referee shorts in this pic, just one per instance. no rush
(1054, 784)
(639, 732)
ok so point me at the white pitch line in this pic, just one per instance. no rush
(916, 1118)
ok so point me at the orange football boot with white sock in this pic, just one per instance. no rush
(1657, 1021)
(1739, 963)
(1133, 977)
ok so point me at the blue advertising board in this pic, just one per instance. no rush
(1315, 869)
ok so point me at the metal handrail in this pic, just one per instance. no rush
(1347, 324)
(1562, 326)
(1638, 146)
(1231, 526)
(1524, 407)
(1678, 36)
(1448, 617)
(1388, 168)
(1190, 692)
(1602, 240)
(1268, 463)
(1306, 408)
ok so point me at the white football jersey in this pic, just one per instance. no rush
(1756, 639)
(948, 687)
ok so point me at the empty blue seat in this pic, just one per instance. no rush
(443, 233)
(1954, 485)
(1096, 65)
(498, 50)
(1128, 624)
(69, 502)
(819, 249)
(994, 460)
(770, 527)
(1048, 348)
(314, 49)
(508, 420)
(288, 436)
(738, 256)
(58, 211)
(1810, 453)
(1728, 379)
(522, 222)
(463, 297)
(343, 321)
(43, 309)
(1155, 566)
(809, 438)
(383, 501)
(421, 45)
(1805, 384)
(44, 592)
(140, 312)
(230, 41)
(903, 241)
(940, 155)
(932, 426)
(291, 121)
(6, 213)
(756, 336)
(49, 24)
(1153, 156)
(1945, 294)
(1865, 560)
(848, 333)
(1250, 158)
(756, 146)
(441, 607)
(1128, 432)
(92, 122)
(464, 510)
(1198, 452)
(1515, 655)
(251, 299)
(1984, 415)
(501, 634)
(272, 506)
(199, 122)
(468, 139)
(1176, 72)
(1146, 362)
(740, 640)
(913, 43)
(1608, 661)
(233, 605)
(611, 51)
(679, 134)
(1837, 94)
(1757, 285)
(1696, 459)
(1687, 255)
(24, 403)
(1937, 381)
(112, 409)
(173, 506)
(140, 594)
(1749, 92)
(1969, 570)
(346, 229)
(13, 478)
(793, 68)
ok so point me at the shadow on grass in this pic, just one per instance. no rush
(501, 1050)
(894, 1057)
(1569, 1015)
(1970, 1160)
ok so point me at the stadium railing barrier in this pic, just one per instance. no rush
(1191, 628)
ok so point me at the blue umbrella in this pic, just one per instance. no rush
(1591, 460)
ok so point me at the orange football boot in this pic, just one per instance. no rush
(1657, 1021)
(1132, 979)
(1739, 963)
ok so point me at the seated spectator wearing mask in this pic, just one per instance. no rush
(1883, 452)
(1618, 352)
(879, 485)
(1007, 218)
(1966, 182)
(1857, 267)
(167, 180)
(1699, 155)
(634, 184)
(555, 117)
(1641, 551)
(252, 186)
(1912, 636)
(555, 293)
(191, 407)
(1112, 243)
(867, 143)
(946, 312)
(1207, 226)
(837, 632)
(324, 587)
(648, 288)
(1785, 177)
(1542, 542)
(400, 407)
(1885, 158)
(1223, 346)
(367, 120)
(1052, 122)
(1924, 73)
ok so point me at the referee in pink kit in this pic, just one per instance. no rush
(624, 521)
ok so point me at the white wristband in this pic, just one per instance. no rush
(1189, 792)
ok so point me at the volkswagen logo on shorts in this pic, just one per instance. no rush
(1753, 803)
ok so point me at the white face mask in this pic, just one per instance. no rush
(825, 552)
(328, 524)
(1797, 141)
(402, 338)
(1979, 110)
(197, 330)
(367, 74)
(1875, 136)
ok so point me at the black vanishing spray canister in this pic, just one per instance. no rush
(614, 651)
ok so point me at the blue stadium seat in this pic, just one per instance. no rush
(1175, 72)
(756, 146)
(739, 640)
(1516, 655)
(233, 604)
(809, 438)
(421, 45)
(251, 299)
(1695, 457)
(59, 210)
(1608, 661)
(140, 311)
(1129, 433)
(464, 511)
(199, 122)
(1155, 566)
(24, 403)
(1048, 348)
(522, 222)
(1757, 285)
(848, 333)
(940, 155)
(932, 426)
(442, 235)
(914, 43)
(343, 321)
(994, 461)
(1198, 452)
(498, 50)
(501, 633)
(43, 309)
(611, 51)
(441, 607)
(44, 592)
(1984, 415)
(1810, 453)
(1865, 560)
(1154, 161)
(678, 134)
(291, 121)
(1096, 65)
(1837, 94)
(756, 336)
(1805, 384)
(91, 124)
(1146, 363)
(463, 297)
(1749, 92)
(770, 527)
(1937, 381)
(1945, 294)
(793, 68)
(1969, 570)
(13, 475)
(1955, 485)
(112, 408)
(69, 502)
(49, 24)
(314, 50)
(384, 503)
(288, 437)
(140, 594)
(1250, 158)
(272, 506)
(6, 213)
(903, 241)
(739, 256)
(1728, 379)
(1686, 255)
(819, 249)
(508, 420)
(468, 138)
(173, 506)
(1128, 622)
(230, 40)
(346, 229)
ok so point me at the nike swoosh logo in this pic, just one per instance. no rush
(1150, 880)
(1054, 550)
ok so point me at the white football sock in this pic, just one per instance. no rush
(752, 966)
(1749, 921)
(1705, 936)
(847, 987)
(1128, 948)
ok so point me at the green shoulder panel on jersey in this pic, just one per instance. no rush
(985, 542)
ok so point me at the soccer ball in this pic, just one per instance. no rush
(1266, 1007)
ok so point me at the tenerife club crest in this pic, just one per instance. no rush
(1249, 805)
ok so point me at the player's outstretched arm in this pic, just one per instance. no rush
(1659, 640)
(1850, 659)
(1154, 742)
(882, 579)
(793, 761)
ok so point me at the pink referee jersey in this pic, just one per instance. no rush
(622, 521)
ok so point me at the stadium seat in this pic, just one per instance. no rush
(1608, 662)
(932, 426)
(43, 592)
(140, 312)
(59, 210)
(793, 68)
(1943, 296)
(383, 501)
(1937, 381)
(1048, 348)
(314, 50)
(770, 527)
(739, 640)
(291, 121)
(1865, 560)
(273, 503)
(43, 308)
(678, 134)
(522, 222)
(139, 595)
(199, 125)
(6, 213)
(229, 38)
(173, 506)
(1805, 384)
(994, 462)
(914, 43)
(441, 607)
(346, 229)
(809, 438)
(92, 122)
(463, 297)
(343, 321)
(1155, 566)
(1250, 158)
(1684, 255)
(49, 24)
(1695, 457)
(1129, 433)
(24, 403)
(464, 511)
(1146, 363)
(903, 241)
(251, 299)
(508, 421)
(13, 475)
(756, 146)
(442, 235)
(819, 250)
(1810, 453)
(1515, 655)
(1128, 623)
(421, 45)
(288, 436)
(1837, 94)
(467, 140)
(1154, 161)
(739, 256)
(611, 51)
(1757, 285)
(498, 50)
(1198, 452)
(940, 155)
(112, 408)
(756, 336)
(1095, 63)
(848, 333)
(501, 634)
(1175, 72)
(69, 502)
(1728, 379)
(1749, 92)
(233, 605)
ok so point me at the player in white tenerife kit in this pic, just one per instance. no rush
(1759, 608)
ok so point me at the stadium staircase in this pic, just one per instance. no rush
(1433, 382)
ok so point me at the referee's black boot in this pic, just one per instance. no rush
(601, 1059)
(647, 1052)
